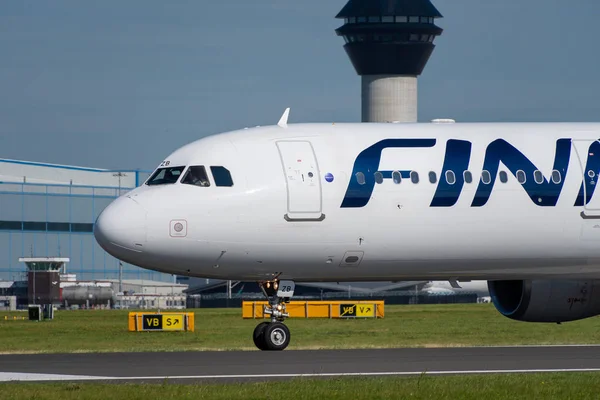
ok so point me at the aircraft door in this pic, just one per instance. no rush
(304, 202)
(588, 157)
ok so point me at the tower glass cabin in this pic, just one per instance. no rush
(389, 43)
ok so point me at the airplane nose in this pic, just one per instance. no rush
(121, 227)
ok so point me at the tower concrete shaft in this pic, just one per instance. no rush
(389, 98)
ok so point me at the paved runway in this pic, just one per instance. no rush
(255, 365)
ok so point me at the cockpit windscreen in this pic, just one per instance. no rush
(165, 176)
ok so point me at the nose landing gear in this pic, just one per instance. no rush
(274, 335)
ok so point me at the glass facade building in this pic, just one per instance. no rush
(49, 210)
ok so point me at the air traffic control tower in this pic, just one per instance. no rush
(389, 42)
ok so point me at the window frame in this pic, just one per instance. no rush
(414, 177)
(523, 174)
(212, 172)
(188, 171)
(360, 176)
(537, 173)
(555, 171)
(486, 173)
(158, 170)
(432, 177)
(469, 174)
(451, 173)
(503, 176)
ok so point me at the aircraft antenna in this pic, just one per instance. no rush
(284, 118)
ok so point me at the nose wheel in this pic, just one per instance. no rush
(274, 335)
(271, 336)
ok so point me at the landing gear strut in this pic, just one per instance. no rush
(274, 335)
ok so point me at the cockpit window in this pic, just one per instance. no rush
(221, 176)
(165, 176)
(196, 176)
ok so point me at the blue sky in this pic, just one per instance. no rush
(120, 84)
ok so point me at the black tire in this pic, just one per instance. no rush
(258, 335)
(276, 336)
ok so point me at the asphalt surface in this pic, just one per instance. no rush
(256, 365)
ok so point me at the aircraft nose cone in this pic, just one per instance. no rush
(121, 228)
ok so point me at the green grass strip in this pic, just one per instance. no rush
(562, 386)
(452, 325)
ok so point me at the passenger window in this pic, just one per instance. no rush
(397, 177)
(414, 177)
(432, 177)
(222, 176)
(165, 176)
(468, 176)
(196, 176)
(360, 178)
(556, 176)
(503, 177)
(521, 177)
(450, 177)
(486, 177)
(378, 177)
(538, 177)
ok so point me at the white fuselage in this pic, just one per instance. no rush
(297, 210)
